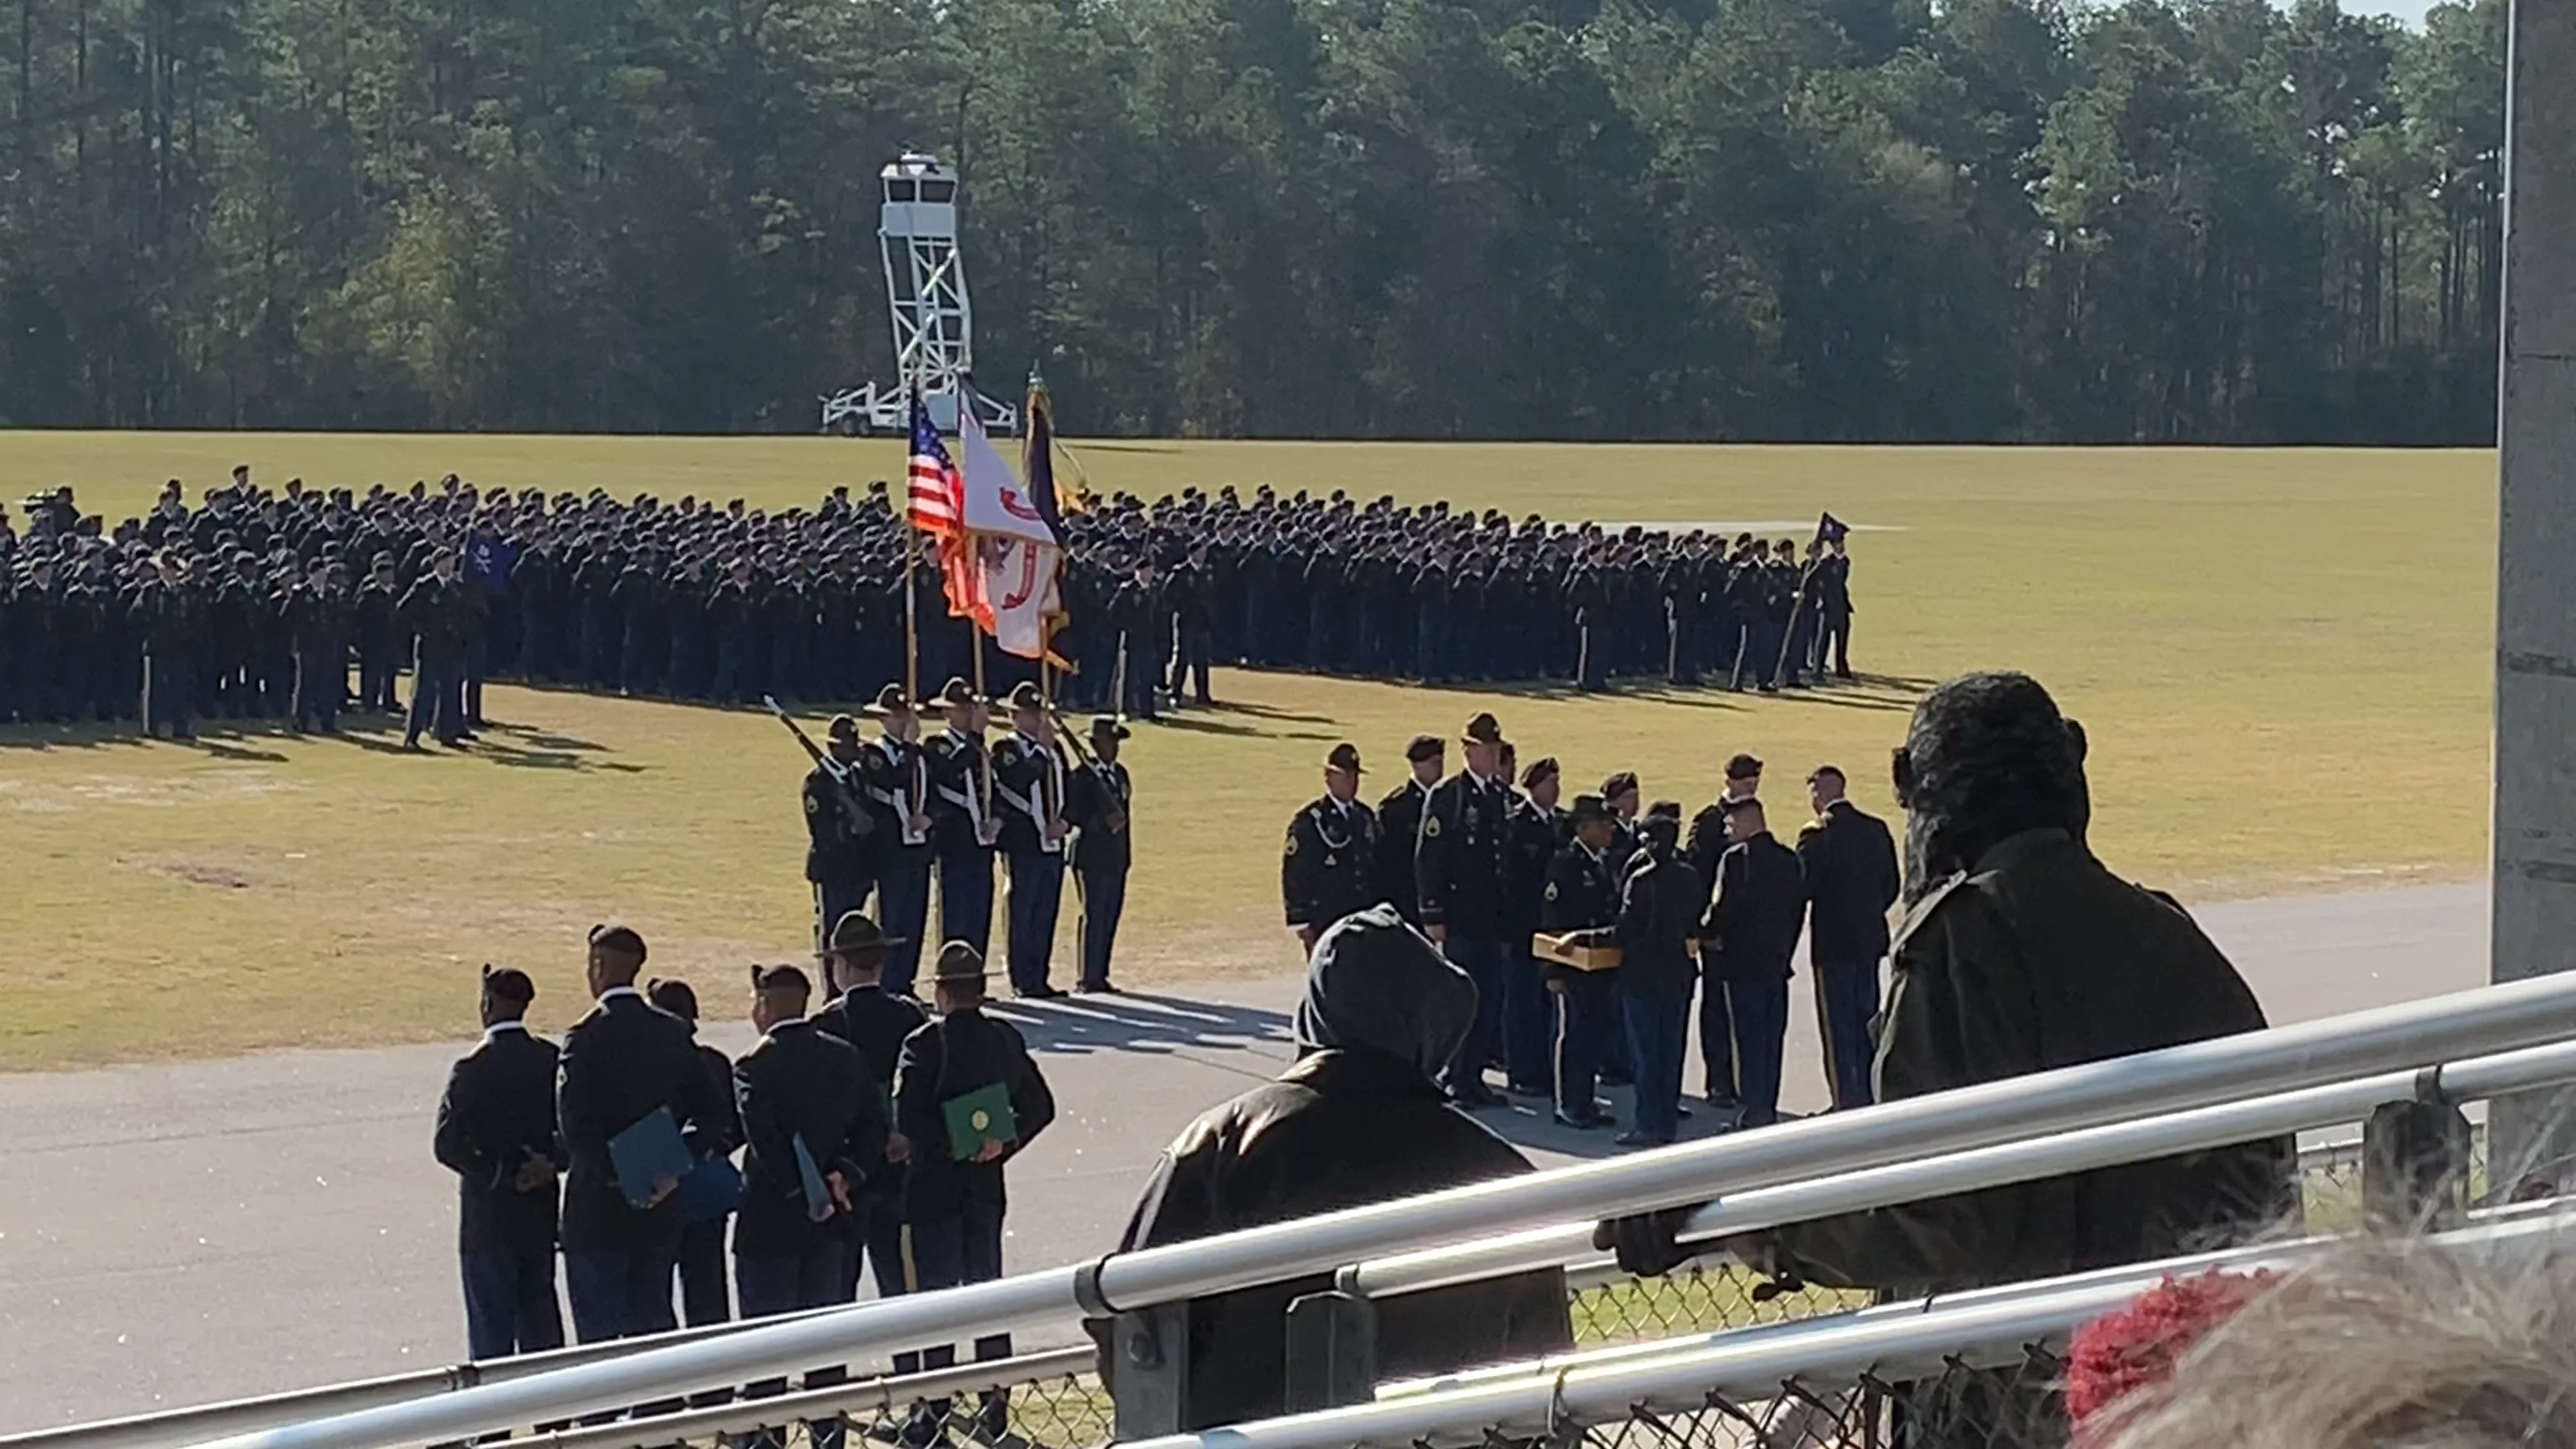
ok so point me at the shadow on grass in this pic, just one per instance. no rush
(1154, 1025)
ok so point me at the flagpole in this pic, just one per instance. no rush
(911, 615)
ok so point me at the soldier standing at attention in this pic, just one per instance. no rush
(875, 1021)
(171, 618)
(1461, 872)
(1834, 608)
(496, 1132)
(1097, 801)
(1029, 791)
(379, 637)
(704, 1295)
(1702, 847)
(1582, 894)
(620, 1064)
(1399, 819)
(838, 861)
(953, 1067)
(1539, 831)
(317, 619)
(1328, 868)
(896, 774)
(1849, 861)
(961, 774)
(1753, 922)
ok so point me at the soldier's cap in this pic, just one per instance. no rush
(842, 727)
(1484, 729)
(1623, 783)
(678, 998)
(782, 978)
(384, 559)
(1424, 747)
(1589, 809)
(1345, 757)
(508, 983)
(1024, 695)
(1542, 768)
(1107, 727)
(959, 961)
(1743, 767)
(956, 694)
(1665, 810)
(617, 940)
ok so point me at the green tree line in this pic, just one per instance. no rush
(2162, 220)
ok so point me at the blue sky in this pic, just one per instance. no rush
(2410, 11)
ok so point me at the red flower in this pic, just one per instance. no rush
(2118, 1354)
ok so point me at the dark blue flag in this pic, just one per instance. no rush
(489, 558)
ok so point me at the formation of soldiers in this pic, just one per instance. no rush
(229, 604)
(1587, 924)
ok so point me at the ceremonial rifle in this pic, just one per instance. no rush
(842, 784)
(1072, 738)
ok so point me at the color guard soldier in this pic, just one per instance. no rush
(895, 771)
(1849, 862)
(1328, 867)
(496, 1132)
(961, 774)
(1462, 873)
(1582, 894)
(838, 860)
(1029, 796)
(1753, 924)
(1399, 820)
(1099, 797)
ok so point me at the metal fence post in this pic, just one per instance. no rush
(2531, 1136)
(2415, 1162)
(1150, 1389)
(1332, 1351)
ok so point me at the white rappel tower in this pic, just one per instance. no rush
(926, 303)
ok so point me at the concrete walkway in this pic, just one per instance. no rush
(176, 1234)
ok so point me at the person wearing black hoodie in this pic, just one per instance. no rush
(1358, 1119)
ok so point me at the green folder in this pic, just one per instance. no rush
(980, 1116)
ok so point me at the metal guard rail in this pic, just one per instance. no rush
(2072, 1099)
(1531, 1400)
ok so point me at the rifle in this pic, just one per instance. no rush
(842, 785)
(1064, 730)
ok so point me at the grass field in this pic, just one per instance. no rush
(2281, 657)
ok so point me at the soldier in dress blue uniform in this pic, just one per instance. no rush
(961, 774)
(1582, 894)
(1029, 795)
(1462, 874)
(838, 858)
(1849, 862)
(1702, 847)
(496, 1132)
(1753, 922)
(895, 772)
(1328, 867)
(1399, 818)
(1098, 800)
(1539, 831)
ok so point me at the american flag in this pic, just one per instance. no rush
(935, 492)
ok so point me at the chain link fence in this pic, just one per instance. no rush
(1055, 1400)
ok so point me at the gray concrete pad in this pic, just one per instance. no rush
(176, 1234)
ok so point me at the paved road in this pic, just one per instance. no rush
(176, 1234)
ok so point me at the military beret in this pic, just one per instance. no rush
(1665, 810)
(780, 978)
(1623, 783)
(676, 997)
(1743, 767)
(1542, 768)
(1424, 747)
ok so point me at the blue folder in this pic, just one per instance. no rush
(712, 1189)
(651, 1148)
(818, 1194)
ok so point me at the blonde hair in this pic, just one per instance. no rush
(2386, 1345)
